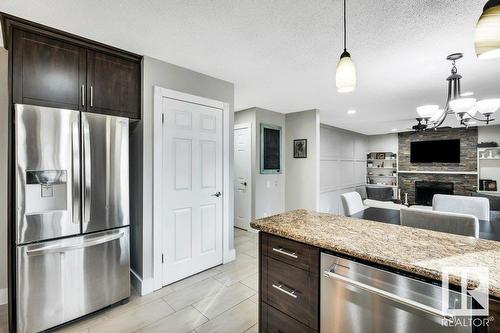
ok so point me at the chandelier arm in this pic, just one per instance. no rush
(478, 119)
(442, 119)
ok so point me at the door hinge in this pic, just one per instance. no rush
(163, 118)
(162, 258)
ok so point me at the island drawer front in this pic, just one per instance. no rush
(275, 321)
(291, 290)
(294, 253)
(495, 314)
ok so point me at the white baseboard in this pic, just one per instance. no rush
(3, 296)
(144, 287)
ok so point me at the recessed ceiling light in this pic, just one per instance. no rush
(466, 94)
(351, 112)
(394, 130)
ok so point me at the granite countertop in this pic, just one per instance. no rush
(418, 251)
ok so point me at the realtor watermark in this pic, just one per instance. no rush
(469, 306)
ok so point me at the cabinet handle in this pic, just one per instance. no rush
(280, 288)
(91, 96)
(285, 252)
(83, 95)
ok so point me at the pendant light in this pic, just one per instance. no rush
(346, 72)
(487, 39)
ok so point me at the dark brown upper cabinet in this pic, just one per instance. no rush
(56, 69)
(47, 72)
(112, 85)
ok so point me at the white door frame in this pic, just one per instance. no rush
(228, 254)
(250, 179)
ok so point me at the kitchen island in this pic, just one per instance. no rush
(291, 247)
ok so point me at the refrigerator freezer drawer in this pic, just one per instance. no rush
(62, 280)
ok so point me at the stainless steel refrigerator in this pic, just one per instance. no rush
(72, 214)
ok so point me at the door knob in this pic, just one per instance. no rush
(244, 183)
(218, 194)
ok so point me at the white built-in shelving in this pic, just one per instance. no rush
(382, 171)
(488, 168)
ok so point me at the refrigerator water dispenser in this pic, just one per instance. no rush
(46, 191)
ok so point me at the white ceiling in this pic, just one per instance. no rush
(281, 54)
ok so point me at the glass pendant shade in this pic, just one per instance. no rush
(437, 116)
(487, 38)
(462, 105)
(473, 111)
(488, 106)
(427, 111)
(346, 74)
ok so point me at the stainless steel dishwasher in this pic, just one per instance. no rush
(358, 298)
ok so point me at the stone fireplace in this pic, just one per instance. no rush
(463, 175)
(424, 191)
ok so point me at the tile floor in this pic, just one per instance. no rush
(222, 299)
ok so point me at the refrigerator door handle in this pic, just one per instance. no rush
(76, 171)
(65, 248)
(87, 198)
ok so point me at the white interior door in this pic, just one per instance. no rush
(192, 186)
(242, 174)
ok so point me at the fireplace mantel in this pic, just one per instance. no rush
(439, 172)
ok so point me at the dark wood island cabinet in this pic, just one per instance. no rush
(289, 288)
(289, 285)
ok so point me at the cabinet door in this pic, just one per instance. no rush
(113, 85)
(47, 71)
(274, 321)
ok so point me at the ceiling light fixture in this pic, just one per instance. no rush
(464, 108)
(487, 38)
(346, 71)
(351, 112)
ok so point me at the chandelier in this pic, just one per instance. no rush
(466, 109)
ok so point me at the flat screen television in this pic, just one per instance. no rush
(439, 151)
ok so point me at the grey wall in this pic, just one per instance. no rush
(4, 109)
(489, 133)
(342, 165)
(268, 190)
(383, 143)
(302, 174)
(159, 73)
